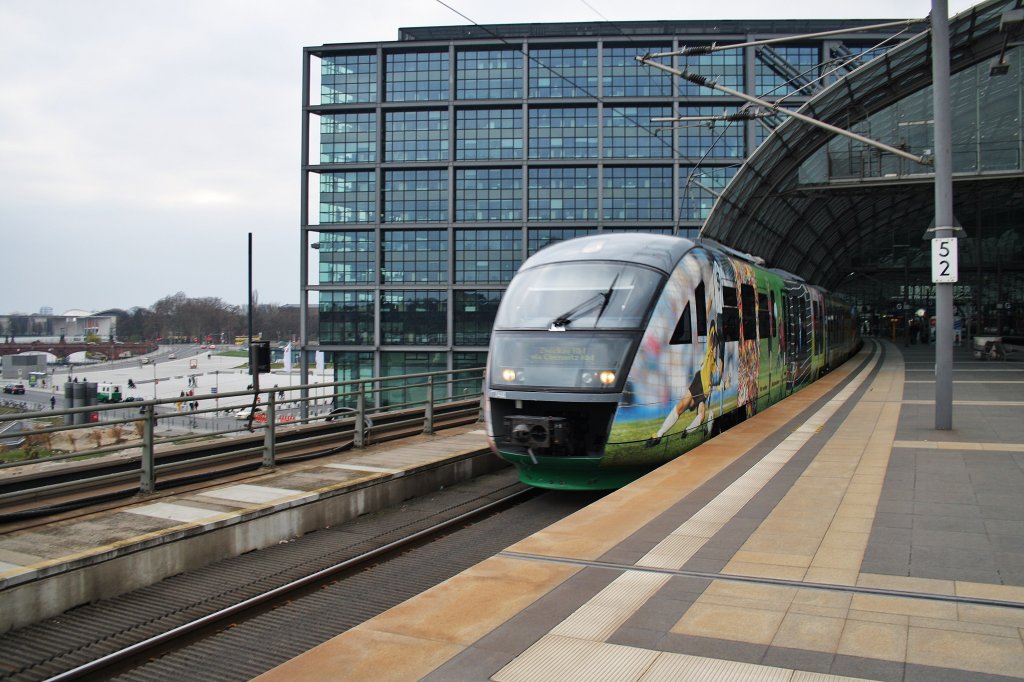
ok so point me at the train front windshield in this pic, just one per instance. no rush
(536, 343)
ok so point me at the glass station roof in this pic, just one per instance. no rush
(824, 207)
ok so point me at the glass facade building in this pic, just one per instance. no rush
(434, 165)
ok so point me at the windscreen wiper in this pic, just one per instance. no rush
(600, 298)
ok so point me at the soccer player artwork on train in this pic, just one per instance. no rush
(612, 354)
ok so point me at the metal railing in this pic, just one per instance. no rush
(208, 427)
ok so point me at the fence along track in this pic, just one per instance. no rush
(121, 470)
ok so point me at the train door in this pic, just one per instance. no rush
(731, 341)
(818, 335)
(776, 300)
(798, 336)
(766, 349)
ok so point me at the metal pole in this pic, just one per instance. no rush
(250, 305)
(304, 245)
(269, 435)
(943, 212)
(428, 410)
(148, 482)
(357, 428)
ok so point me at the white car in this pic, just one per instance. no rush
(243, 414)
(172, 356)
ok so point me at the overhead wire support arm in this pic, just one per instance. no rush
(715, 47)
(706, 82)
(742, 115)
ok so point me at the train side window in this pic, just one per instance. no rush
(702, 309)
(764, 320)
(772, 312)
(749, 315)
(730, 315)
(683, 333)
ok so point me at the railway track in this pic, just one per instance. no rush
(45, 492)
(239, 617)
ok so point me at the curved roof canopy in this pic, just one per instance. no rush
(827, 230)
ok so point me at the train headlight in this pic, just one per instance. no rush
(509, 375)
(592, 378)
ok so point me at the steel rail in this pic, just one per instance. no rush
(139, 648)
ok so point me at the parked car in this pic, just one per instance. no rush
(16, 389)
(243, 414)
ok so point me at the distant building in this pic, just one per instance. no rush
(74, 325)
(19, 366)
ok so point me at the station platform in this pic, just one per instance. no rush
(48, 568)
(836, 535)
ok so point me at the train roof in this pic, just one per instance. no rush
(658, 251)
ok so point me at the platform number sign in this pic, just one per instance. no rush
(944, 260)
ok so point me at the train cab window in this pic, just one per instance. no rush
(749, 315)
(730, 315)
(683, 333)
(764, 320)
(702, 310)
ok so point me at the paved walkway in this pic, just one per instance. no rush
(835, 536)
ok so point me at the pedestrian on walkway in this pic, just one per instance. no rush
(53, 402)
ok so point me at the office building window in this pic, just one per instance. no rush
(489, 74)
(414, 256)
(563, 194)
(698, 188)
(467, 384)
(474, 316)
(346, 317)
(348, 138)
(417, 76)
(781, 70)
(406, 391)
(724, 67)
(763, 127)
(569, 72)
(420, 135)
(616, 229)
(714, 138)
(348, 257)
(855, 56)
(414, 318)
(348, 197)
(538, 238)
(488, 134)
(486, 255)
(629, 133)
(484, 194)
(563, 133)
(350, 366)
(348, 78)
(415, 196)
(637, 193)
(624, 76)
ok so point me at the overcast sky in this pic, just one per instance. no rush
(141, 141)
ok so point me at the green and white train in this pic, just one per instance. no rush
(615, 353)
